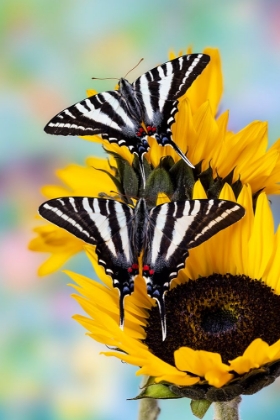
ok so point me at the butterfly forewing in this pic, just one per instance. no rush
(101, 114)
(171, 79)
(158, 91)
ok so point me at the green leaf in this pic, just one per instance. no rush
(182, 177)
(158, 391)
(200, 407)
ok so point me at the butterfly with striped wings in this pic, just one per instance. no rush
(120, 233)
(118, 115)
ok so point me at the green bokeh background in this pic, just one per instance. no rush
(49, 369)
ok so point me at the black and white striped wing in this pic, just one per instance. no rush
(106, 224)
(159, 89)
(103, 114)
(175, 228)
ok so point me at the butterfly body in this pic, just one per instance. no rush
(162, 234)
(146, 107)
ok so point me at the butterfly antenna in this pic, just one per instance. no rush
(161, 307)
(105, 78)
(134, 67)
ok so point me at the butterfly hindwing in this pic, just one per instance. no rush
(106, 224)
(175, 228)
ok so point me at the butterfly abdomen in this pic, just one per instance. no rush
(140, 225)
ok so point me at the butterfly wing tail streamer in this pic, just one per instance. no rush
(180, 153)
(159, 297)
(121, 308)
(156, 290)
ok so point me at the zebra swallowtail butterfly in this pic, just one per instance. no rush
(117, 115)
(120, 232)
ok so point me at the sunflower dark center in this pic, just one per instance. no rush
(215, 320)
(220, 313)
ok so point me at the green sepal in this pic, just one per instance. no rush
(216, 188)
(198, 167)
(229, 177)
(218, 184)
(126, 178)
(200, 407)
(167, 162)
(206, 179)
(156, 391)
(237, 187)
(129, 180)
(255, 198)
(183, 180)
(159, 181)
(115, 181)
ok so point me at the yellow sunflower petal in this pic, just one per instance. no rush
(209, 85)
(103, 326)
(256, 355)
(61, 244)
(82, 179)
(178, 380)
(53, 263)
(260, 245)
(272, 272)
(204, 364)
(242, 230)
(198, 191)
(54, 191)
(222, 261)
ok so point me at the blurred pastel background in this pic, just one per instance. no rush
(49, 369)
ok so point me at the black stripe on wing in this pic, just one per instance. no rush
(172, 79)
(103, 114)
(106, 224)
(167, 83)
(175, 228)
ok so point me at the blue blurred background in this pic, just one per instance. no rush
(50, 49)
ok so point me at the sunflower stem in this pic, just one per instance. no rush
(148, 407)
(227, 410)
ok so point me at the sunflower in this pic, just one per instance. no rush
(218, 345)
(219, 155)
(218, 312)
